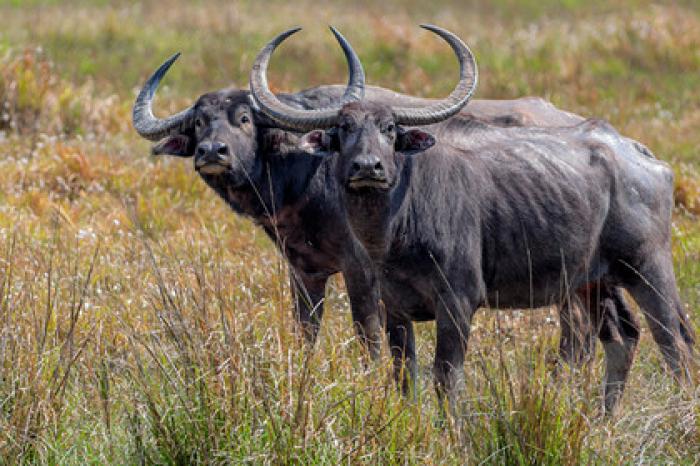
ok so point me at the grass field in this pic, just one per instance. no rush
(142, 322)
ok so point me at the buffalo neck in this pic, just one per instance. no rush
(279, 181)
(373, 213)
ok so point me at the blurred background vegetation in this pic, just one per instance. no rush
(142, 322)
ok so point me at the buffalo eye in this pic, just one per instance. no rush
(346, 126)
(198, 123)
(389, 128)
(245, 119)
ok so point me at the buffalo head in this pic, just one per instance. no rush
(224, 131)
(372, 138)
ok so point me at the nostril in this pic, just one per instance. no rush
(222, 150)
(201, 151)
(356, 167)
(378, 166)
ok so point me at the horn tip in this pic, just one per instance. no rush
(342, 41)
(337, 34)
(174, 57)
(278, 40)
(166, 65)
(432, 27)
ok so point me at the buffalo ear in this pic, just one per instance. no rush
(179, 145)
(280, 142)
(317, 142)
(413, 141)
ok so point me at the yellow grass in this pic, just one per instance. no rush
(142, 321)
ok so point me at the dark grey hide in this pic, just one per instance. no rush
(466, 214)
(293, 197)
(257, 169)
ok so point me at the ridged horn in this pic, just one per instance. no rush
(298, 119)
(145, 123)
(452, 104)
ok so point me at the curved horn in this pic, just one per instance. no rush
(147, 125)
(298, 119)
(443, 109)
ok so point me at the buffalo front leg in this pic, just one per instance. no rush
(403, 351)
(452, 321)
(307, 294)
(363, 291)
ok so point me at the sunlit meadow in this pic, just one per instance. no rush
(142, 322)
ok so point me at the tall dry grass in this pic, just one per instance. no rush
(142, 322)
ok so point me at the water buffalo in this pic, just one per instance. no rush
(242, 155)
(245, 157)
(522, 217)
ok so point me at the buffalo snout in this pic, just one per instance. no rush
(212, 157)
(367, 167)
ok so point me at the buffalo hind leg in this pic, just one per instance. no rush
(654, 288)
(578, 334)
(308, 294)
(619, 335)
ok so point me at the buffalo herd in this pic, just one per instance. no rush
(434, 208)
